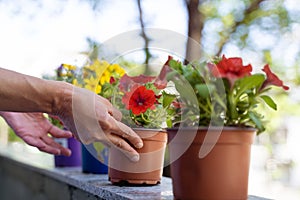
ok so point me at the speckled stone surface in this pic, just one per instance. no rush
(94, 184)
(100, 186)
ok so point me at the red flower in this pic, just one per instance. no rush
(127, 82)
(161, 81)
(272, 79)
(177, 104)
(139, 99)
(230, 68)
(112, 80)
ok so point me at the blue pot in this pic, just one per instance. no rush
(90, 163)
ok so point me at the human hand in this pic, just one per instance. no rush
(34, 128)
(92, 118)
(88, 116)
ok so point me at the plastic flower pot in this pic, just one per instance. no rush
(90, 162)
(148, 170)
(69, 161)
(221, 174)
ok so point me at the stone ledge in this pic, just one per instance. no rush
(22, 179)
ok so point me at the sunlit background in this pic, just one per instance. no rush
(36, 36)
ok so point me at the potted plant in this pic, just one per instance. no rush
(217, 118)
(145, 106)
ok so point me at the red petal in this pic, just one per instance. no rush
(161, 81)
(127, 82)
(272, 79)
(141, 99)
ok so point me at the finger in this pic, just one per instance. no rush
(35, 142)
(43, 147)
(111, 110)
(123, 131)
(52, 146)
(50, 150)
(59, 133)
(127, 133)
(128, 150)
(116, 114)
(104, 101)
(65, 151)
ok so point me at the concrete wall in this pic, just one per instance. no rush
(18, 182)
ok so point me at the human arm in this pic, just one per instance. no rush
(88, 116)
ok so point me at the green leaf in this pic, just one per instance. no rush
(169, 123)
(185, 90)
(99, 147)
(171, 75)
(167, 99)
(256, 120)
(175, 65)
(249, 82)
(269, 101)
(204, 89)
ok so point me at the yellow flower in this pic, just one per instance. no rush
(103, 70)
(98, 67)
(112, 67)
(116, 68)
(69, 74)
(121, 72)
(69, 67)
(75, 82)
(102, 64)
(91, 83)
(62, 74)
(98, 89)
(105, 77)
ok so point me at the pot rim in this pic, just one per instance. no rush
(213, 128)
(149, 129)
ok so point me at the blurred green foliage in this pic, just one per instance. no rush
(12, 137)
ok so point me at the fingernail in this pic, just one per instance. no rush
(70, 134)
(135, 158)
(139, 145)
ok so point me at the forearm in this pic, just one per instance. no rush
(94, 119)
(22, 93)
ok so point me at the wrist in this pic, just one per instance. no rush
(62, 98)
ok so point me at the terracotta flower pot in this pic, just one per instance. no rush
(148, 170)
(221, 174)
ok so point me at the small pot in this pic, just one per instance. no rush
(148, 170)
(68, 161)
(90, 161)
(221, 174)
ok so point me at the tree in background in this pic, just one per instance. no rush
(238, 24)
(249, 28)
(255, 28)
